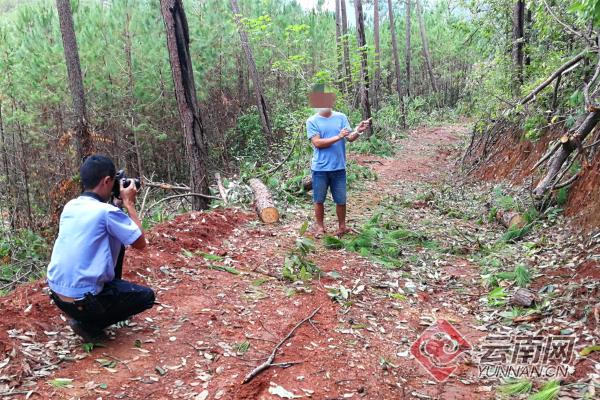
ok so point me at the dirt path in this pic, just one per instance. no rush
(194, 344)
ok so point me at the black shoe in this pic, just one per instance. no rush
(87, 335)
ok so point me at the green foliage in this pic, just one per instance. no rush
(532, 127)
(548, 391)
(374, 146)
(497, 297)
(382, 242)
(514, 387)
(297, 267)
(22, 253)
(340, 294)
(331, 242)
(562, 196)
(521, 276)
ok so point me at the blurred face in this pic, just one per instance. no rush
(321, 102)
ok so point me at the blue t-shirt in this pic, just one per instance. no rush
(89, 240)
(331, 158)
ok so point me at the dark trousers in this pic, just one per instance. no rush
(117, 301)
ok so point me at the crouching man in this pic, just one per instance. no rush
(84, 274)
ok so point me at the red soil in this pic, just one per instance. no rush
(186, 341)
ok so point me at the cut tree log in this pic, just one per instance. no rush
(265, 207)
(307, 183)
(510, 218)
(568, 143)
(523, 297)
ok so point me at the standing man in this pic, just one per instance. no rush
(84, 274)
(328, 132)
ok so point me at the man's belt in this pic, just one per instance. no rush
(66, 299)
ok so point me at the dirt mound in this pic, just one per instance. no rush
(584, 197)
(514, 159)
(28, 312)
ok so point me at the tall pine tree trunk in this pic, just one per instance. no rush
(136, 160)
(258, 91)
(345, 45)
(425, 44)
(338, 47)
(364, 69)
(377, 81)
(85, 146)
(518, 42)
(408, 54)
(185, 92)
(396, 64)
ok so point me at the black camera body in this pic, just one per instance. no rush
(121, 177)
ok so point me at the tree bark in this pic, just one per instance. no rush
(396, 64)
(185, 92)
(345, 45)
(364, 68)
(85, 145)
(261, 104)
(425, 44)
(518, 42)
(263, 202)
(569, 143)
(339, 48)
(377, 81)
(408, 55)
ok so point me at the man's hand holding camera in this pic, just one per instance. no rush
(128, 193)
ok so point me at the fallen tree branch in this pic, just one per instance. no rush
(165, 186)
(547, 156)
(269, 361)
(206, 196)
(567, 145)
(572, 62)
(567, 182)
(276, 168)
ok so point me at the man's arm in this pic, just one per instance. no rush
(324, 143)
(359, 130)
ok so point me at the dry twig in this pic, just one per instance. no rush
(269, 362)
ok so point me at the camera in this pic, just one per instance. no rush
(121, 177)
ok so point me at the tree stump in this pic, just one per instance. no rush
(523, 297)
(265, 208)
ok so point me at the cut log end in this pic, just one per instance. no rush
(307, 183)
(510, 218)
(524, 298)
(265, 207)
(269, 215)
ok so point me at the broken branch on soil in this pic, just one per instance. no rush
(206, 196)
(269, 362)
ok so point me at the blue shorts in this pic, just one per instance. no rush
(334, 180)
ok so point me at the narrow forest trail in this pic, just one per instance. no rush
(190, 346)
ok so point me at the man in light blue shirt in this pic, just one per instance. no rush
(328, 132)
(84, 274)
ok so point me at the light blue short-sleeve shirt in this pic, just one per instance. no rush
(89, 239)
(332, 158)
